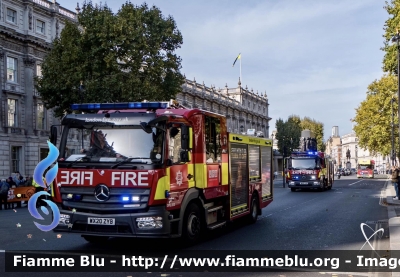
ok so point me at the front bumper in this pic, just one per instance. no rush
(125, 224)
(304, 185)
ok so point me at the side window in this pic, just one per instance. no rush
(174, 142)
(213, 139)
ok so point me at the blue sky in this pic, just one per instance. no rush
(312, 58)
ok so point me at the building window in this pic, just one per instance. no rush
(41, 118)
(12, 112)
(15, 158)
(11, 16)
(39, 70)
(43, 153)
(40, 26)
(11, 69)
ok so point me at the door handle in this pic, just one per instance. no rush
(190, 176)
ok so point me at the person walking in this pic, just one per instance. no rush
(395, 181)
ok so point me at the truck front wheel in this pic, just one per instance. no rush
(192, 224)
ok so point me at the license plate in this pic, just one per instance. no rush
(303, 183)
(101, 221)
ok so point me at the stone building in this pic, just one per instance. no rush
(27, 28)
(243, 108)
(333, 147)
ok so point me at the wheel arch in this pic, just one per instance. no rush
(192, 195)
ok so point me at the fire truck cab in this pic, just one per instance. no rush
(156, 169)
(309, 170)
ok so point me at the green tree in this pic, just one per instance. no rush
(374, 116)
(126, 56)
(392, 27)
(288, 134)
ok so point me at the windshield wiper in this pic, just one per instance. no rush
(129, 160)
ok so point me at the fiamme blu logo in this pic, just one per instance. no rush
(50, 177)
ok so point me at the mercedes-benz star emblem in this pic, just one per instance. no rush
(102, 193)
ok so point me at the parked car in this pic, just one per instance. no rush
(347, 172)
(353, 171)
(375, 171)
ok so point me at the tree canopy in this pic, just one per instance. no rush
(374, 116)
(392, 27)
(126, 56)
(288, 132)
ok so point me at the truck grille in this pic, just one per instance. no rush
(87, 202)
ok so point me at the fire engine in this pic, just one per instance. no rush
(156, 169)
(366, 169)
(309, 169)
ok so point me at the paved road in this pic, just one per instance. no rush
(301, 220)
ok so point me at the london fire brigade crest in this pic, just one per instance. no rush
(179, 178)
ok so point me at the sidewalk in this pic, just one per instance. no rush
(394, 219)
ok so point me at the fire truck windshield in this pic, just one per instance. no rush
(365, 167)
(112, 144)
(303, 163)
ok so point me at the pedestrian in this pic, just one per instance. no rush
(275, 174)
(4, 188)
(395, 181)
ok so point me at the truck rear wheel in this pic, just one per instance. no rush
(254, 207)
(95, 239)
(192, 227)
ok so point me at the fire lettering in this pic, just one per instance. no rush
(129, 178)
(76, 177)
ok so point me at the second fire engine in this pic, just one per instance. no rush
(309, 168)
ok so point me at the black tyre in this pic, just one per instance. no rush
(192, 227)
(293, 189)
(254, 207)
(95, 239)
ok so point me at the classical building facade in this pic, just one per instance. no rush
(243, 108)
(27, 28)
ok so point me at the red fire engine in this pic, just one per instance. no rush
(309, 169)
(149, 169)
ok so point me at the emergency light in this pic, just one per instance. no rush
(119, 106)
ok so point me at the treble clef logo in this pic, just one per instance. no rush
(381, 230)
(50, 176)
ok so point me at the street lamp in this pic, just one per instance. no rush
(396, 39)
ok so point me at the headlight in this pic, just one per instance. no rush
(149, 222)
(313, 177)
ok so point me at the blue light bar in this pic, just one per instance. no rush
(125, 198)
(119, 106)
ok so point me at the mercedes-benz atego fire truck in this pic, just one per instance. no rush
(153, 170)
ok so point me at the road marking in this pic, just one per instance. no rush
(355, 183)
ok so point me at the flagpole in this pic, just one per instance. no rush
(241, 80)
